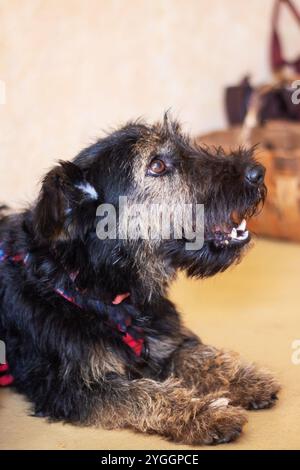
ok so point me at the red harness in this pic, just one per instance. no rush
(5, 377)
(136, 344)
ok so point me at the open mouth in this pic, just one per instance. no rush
(232, 234)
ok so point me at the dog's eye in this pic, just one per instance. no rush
(157, 167)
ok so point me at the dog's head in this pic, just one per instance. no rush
(157, 168)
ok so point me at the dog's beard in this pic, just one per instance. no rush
(207, 261)
(212, 259)
(225, 239)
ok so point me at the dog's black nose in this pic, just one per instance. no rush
(255, 174)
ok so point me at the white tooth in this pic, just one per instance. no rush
(233, 233)
(242, 225)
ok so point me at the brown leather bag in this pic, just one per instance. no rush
(277, 103)
(278, 141)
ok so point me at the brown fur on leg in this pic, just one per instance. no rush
(209, 369)
(169, 409)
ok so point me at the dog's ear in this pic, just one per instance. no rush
(66, 206)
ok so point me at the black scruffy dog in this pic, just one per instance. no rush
(90, 335)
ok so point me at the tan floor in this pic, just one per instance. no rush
(254, 309)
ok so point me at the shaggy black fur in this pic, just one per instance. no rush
(71, 362)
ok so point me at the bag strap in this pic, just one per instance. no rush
(277, 56)
(256, 101)
(253, 113)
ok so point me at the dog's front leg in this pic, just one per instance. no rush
(208, 369)
(169, 409)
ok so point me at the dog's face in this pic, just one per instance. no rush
(151, 166)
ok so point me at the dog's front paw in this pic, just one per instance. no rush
(212, 420)
(224, 423)
(254, 389)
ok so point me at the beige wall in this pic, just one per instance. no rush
(74, 67)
